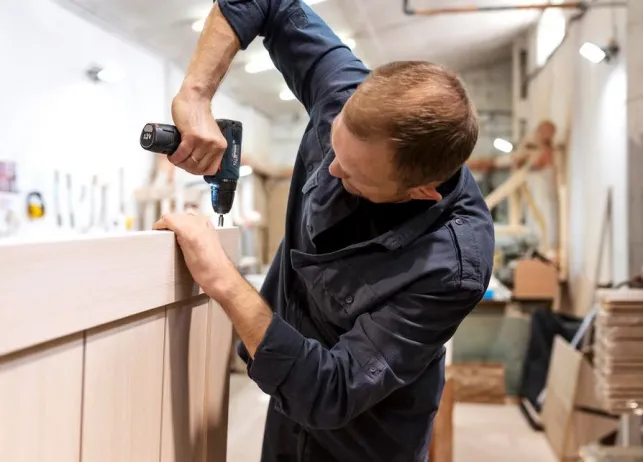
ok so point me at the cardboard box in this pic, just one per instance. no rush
(535, 279)
(572, 410)
(476, 382)
(277, 191)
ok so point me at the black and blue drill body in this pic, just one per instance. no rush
(165, 139)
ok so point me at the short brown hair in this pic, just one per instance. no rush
(424, 111)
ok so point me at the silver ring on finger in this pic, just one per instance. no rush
(194, 159)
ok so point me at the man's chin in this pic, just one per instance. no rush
(350, 190)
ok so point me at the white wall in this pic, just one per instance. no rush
(598, 152)
(54, 118)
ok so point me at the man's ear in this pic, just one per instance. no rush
(425, 192)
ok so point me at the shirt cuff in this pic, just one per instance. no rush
(276, 355)
(245, 19)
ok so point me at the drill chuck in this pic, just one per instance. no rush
(223, 195)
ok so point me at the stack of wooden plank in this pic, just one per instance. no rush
(619, 349)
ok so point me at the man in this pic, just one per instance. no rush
(388, 242)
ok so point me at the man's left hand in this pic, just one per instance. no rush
(202, 249)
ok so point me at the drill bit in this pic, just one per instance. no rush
(220, 220)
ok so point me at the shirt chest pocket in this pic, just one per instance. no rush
(339, 292)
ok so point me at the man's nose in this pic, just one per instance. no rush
(334, 169)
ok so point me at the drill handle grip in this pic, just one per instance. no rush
(231, 161)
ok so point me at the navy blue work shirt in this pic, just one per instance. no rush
(364, 295)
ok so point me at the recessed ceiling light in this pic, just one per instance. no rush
(197, 26)
(107, 74)
(286, 95)
(503, 145)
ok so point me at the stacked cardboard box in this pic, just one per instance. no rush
(619, 349)
(571, 401)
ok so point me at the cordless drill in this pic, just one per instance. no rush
(165, 139)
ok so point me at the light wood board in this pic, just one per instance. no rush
(70, 285)
(123, 389)
(40, 403)
(184, 384)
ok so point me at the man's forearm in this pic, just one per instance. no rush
(215, 50)
(247, 311)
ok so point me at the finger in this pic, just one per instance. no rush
(191, 163)
(209, 165)
(212, 163)
(203, 155)
(161, 224)
(183, 152)
(165, 222)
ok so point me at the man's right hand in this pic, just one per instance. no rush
(202, 143)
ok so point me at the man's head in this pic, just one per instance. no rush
(407, 128)
(545, 132)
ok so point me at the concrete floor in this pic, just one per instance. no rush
(483, 433)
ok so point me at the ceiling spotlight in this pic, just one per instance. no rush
(108, 74)
(286, 95)
(197, 26)
(596, 54)
(503, 145)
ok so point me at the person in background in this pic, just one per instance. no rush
(541, 179)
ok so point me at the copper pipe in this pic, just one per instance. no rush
(481, 9)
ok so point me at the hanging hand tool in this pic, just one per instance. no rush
(70, 202)
(165, 139)
(59, 216)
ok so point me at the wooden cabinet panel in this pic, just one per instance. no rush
(123, 391)
(184, 383)
(217, 383)
(122, 358)
(40, 403)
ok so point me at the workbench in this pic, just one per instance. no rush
(109, 352)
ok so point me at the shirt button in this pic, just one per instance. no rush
(309, 228)
(373, 369)
(349, 299)
(459, 221)
(310, 167)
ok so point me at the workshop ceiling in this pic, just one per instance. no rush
(380, 29)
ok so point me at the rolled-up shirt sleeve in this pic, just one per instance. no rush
(314, 62)
(385, 350)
